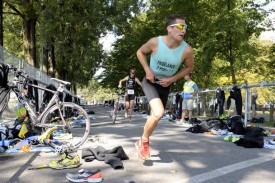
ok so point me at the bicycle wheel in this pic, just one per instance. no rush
(4, 99)
(72, 126)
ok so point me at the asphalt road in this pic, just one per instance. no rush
(177, 157)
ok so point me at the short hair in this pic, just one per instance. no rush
(132, 69)
(172, 19)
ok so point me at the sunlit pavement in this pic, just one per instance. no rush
(177, 156)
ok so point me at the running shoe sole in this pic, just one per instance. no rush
(82, 180)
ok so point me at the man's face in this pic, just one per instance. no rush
(178, 29)
(186, 77)
(132, 72)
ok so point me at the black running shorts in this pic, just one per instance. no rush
(129, 97)
(153, 90)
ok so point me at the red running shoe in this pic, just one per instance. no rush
(143, 149)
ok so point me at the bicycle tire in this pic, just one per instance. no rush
(4, 99)
(76, 125)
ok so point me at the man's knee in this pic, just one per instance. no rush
(157, 115)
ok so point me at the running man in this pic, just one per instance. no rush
(131, 81)
(168, 53)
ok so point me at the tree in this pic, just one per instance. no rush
(218, 31)
(1, 23)
(26, 9)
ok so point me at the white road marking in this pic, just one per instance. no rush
(227, 169)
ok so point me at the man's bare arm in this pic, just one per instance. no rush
(122, 80)
(142, 53)
(138, 81)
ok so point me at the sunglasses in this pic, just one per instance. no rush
(179, 26)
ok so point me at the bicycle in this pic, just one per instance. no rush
(68, 122)
(117, 108)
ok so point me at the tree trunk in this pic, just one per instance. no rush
(51, 70)
(230, 48)
(74, 89)
(29, 41)
(231, 61)
(1, 23)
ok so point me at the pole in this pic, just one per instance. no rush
(246, 106)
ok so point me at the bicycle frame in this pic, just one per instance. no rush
(23, 101)
(33, 116)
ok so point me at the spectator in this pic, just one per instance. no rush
(190, 89)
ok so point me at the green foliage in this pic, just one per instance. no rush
(12, 34)
(224, 36)
(94, 91)
(73, 28)
(218, 31)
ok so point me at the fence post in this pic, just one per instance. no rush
(212, 110)
(271, 113)
(204, 104)
(246, 104)
(199, 109)
(198, 105)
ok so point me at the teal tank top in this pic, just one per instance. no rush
(166, 61)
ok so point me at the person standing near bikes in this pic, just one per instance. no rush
(168, 53)
(131, 81)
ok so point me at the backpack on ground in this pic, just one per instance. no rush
(216, 124)
(236, 125)
(253, 138)
(258, 120)
(195, 121)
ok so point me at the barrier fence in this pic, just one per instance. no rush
(43, 80)
(210, 103)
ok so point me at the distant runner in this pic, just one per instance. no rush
(131, 81)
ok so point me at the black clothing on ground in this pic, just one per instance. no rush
(112, 157)
(253, 138)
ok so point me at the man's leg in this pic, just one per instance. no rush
(190, 114)
(190, 109)
(183, 116)
(157, 111)
(131, 108)
(184, 111)
(127, 106)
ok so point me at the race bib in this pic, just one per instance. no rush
(131, 92)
